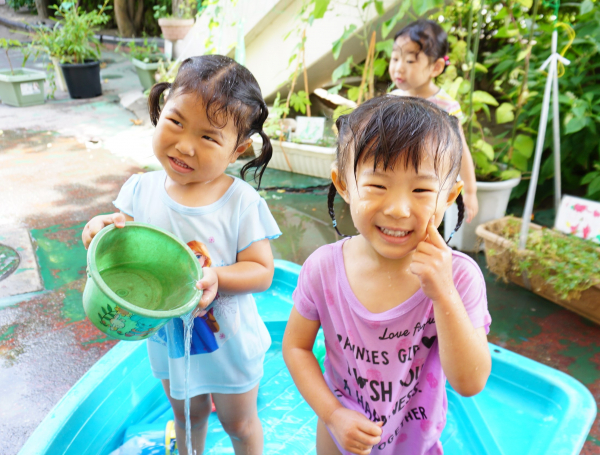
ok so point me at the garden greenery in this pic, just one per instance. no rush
(506, 95)
(568, 264)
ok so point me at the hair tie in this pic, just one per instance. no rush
(447, 60)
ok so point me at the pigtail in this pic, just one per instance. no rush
(154, 100)
(461, 215)
(261, 161)
(330, 199)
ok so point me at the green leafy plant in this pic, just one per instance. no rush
(71, 39)
(273, 126)
(187, 9)
(567, 263)
(148, 52)
(8, 44)
(18, 4)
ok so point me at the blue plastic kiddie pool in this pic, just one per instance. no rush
(526, 407)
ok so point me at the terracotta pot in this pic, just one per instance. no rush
(500, 258)
(174, 29)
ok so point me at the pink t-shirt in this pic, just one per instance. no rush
(386, 365)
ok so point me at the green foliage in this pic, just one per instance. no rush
(188, 9)
(8, 44)
(299, 101)
(273, 126)
(512, 61)
(18, 4)
(71, 39)
(567, 263)
(147, 53)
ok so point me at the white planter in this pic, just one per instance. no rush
(493, 199)
(302, 158)
(59, 77)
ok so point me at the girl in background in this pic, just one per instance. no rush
(420, 54)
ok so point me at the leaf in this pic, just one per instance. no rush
(575, 124)
(589, 177)
(481, 68)
(353, 93)
(586, 6)
(343, 70)
(521, 55)
(379, 7)
(524, 145)
(388, 25)
(479, 96)
(337, 45)
(505, 113)
(386, 46)
(510, 174)
(422, 6)
(320, 8)
(526, 3)
(380, 66)
(486, 148)
(594, 186)
(335, 89)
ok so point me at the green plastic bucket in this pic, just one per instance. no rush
(139, 277)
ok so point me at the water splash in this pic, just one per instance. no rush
(188, 325)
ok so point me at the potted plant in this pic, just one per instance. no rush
(145, 59)
(177, 25)
(497, 167)
(561, 268)
(294, 150)
(72, 41)
(23, 86)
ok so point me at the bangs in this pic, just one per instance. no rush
(393, 130)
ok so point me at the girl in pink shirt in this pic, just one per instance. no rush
(401, 312)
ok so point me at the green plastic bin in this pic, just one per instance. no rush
(145, 72)
(23, 87)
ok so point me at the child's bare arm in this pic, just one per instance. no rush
(97, 223)
(467, 174)
(353, 431)
(464, 353)
(253, 272)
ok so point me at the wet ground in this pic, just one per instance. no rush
(53, 180)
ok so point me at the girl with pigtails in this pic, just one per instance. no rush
(400, 311)
(210, 112)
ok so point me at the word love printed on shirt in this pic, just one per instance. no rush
(371, 392)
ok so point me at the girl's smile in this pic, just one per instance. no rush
(179, 165)
(391, 208)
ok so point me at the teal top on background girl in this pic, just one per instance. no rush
(419, 55)
(209, 114)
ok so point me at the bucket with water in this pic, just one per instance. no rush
(139, 277)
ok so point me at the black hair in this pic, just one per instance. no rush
(398, 129)
(228, 90)
(430, 37)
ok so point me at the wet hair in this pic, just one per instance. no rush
(430, 37)
(229, 91)
(398, 130)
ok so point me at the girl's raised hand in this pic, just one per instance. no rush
(98, 223)
(432, 263)
(209, 284)
(353, 431)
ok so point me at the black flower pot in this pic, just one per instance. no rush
(83, 79)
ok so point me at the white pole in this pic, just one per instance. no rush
(538, 152)
(556, 128)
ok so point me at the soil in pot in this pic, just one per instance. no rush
(83, 79)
